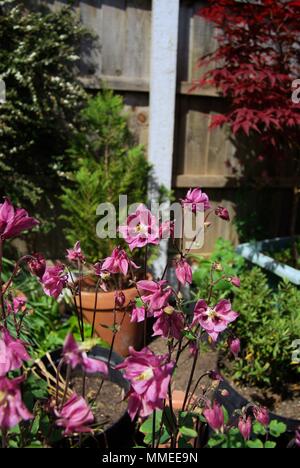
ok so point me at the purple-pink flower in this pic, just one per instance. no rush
(141, 228)
(75, 255)
(13, 220)
(149, 376)
(245, 427)
(54, 280)
(118, 262)
(169, 323)
(138, 314)
(297, 438)
(37, 265)
(235, 281)
(183, 272)
(214, 415)
(75, 356)
(261, 415)
(155, 294)
(234, 346)
(12, 408)
(196, 200)
(222, 213)
(12, 353)
(75, 416)
(214, 320)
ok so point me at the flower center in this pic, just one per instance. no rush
(211, 313)
(169, 310)
(146, 375)
(140, 229)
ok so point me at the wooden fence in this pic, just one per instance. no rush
(121, 58)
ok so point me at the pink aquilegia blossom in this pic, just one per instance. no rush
(297, 438)
(149, 376)
(222, 213)
(75, 355)
(138, 314)
(12, 408)
(214, 320)
(54, 280)
(12, 353)
(214, 415)
(75, 255)
(155, 294)
(18, 305)
(169, 323)
(183, 272)
(13, 221)
(234, 346)
(120, 299)
(141, 229)
(118, 262)
(75, 416)
(262, 415)
(235, 281)
(245, 427)
(37, 265)
(196, 200)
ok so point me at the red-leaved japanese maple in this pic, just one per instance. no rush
(254, 66)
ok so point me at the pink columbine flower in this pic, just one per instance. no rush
(75, 356)
(262, 415)
(214, 415)
(149, 376)
(169, 323)
(54, 280)
(141, 228)
(297, 438)
(196, 200)
(12, 408)
(245, 427)
(214, 375)
(234, 346)
(155, 294)
(37, 265)
(214, 320)
(183, 272)
(18, 305)
(120, 299)
(222, 213)
(235, 281)
(12, 353)
(118, 262)
(13, 221)
(138, 314)
(75, 416)
(75, 255)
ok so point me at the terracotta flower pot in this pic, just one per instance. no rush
(130, 334)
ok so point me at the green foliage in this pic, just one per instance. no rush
(43, 98)
(269, 323)
(261, 437)
(232, 265)
(106, 164)
(45, 326)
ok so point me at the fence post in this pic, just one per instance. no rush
(163, 80)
